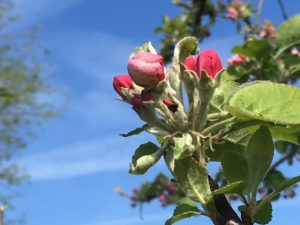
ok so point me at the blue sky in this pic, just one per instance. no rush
(79, 158)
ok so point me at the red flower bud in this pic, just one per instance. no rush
(190, 62)
(122, 81)
(146, 96)
(135, 101)
(170, 104)
(236, 60)
(171, 188)
(207, 61)
(232, 13)
(146, 69)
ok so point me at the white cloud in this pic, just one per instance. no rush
(32, 11)
(82, 158)
(93, 54)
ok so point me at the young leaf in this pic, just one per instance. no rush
(145, 47)
(260, 151)
(281, 187)
(144, 157)
(264, 214)
(234, 187)
(267, 101)
(220, 148)
(192, 178)
(183, 48)
(136, 131)
(288, 33)
(235, 166)
(254, 48)
(222, 94)
(183, 146)
(182, 212)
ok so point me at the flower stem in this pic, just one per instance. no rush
(218, 125)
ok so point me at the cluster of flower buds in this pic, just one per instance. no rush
(154, 91)
(236, 60)
(238, 10)
(295, 52)
(268, 30)
(167, 193)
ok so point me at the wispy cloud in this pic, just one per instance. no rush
(33, 11)
(94, 58)
(93, 54)
(82, 158)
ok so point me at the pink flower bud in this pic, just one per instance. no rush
(133, 198)
(190, 62)
(209, 62)
(122, 81)
(232, 13)
(236, 60)
(146, 69)
(171, 188)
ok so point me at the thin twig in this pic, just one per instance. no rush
(199, 14)
(283, 12)
(259, 10)
(283, 159)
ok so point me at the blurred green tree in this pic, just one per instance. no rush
(23, 87)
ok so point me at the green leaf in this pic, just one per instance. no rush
(144, 157)
(145, 47)
(136, 131)
(260, 151)
(281, 187)
(281, 146)
(254, 48)
(183, 146)
(235, 166)
(182, 212)
(234, 187)
(187, 46)
(267, 101)
(288, 33)
(222, 94)
(220, 148)
(264, 215)
(192, 178)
